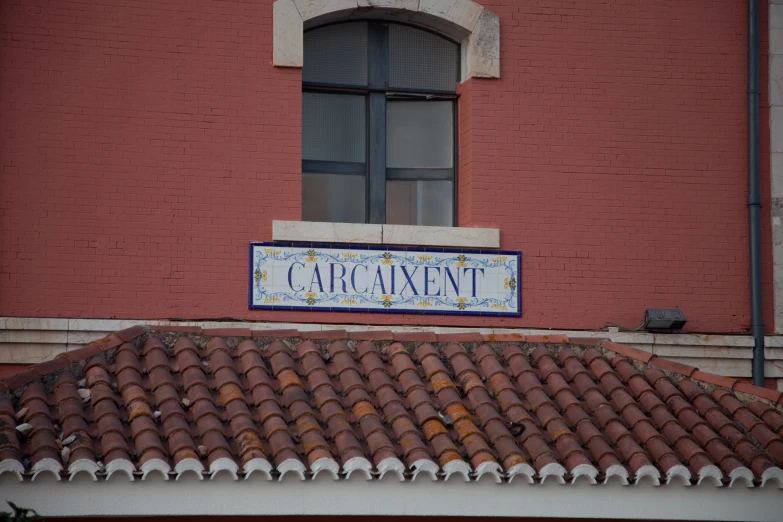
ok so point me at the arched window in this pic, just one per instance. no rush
(379, 125)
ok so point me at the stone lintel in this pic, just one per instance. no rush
(476, 28)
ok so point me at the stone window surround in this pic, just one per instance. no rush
(476, 28)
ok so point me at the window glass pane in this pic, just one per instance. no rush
(419, 134)
(333, 197)
(429, 203)
(333, 127)
(421, 60)
(336, 54)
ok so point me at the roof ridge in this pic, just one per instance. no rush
(115, 339)
(730, 383)
(38, 370)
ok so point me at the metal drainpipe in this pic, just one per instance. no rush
(754, 199)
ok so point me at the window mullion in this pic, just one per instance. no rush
(377, 158)
(378, 56)
(378, 78)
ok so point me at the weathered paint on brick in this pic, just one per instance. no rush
(144, 145)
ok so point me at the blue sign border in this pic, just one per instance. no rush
(353, 246)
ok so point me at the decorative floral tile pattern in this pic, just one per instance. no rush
(361, 278)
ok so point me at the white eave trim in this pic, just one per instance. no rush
(408, 235)
(325, 496)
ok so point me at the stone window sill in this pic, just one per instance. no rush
(317, 232)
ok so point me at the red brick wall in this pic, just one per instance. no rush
(144, 144)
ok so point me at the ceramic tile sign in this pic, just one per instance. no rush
(358, 278)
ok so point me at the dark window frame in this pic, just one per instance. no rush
(377, 92)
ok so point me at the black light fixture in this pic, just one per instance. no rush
(663, 319)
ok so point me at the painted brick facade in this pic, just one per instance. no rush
(144, 144)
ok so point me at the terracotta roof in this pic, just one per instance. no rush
(373, 403)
